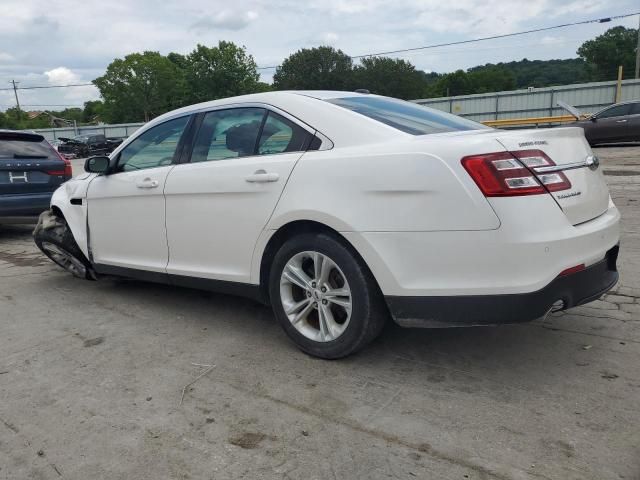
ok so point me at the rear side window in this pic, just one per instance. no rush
(635, 108)
(20, 145)
(279, 135)
(406, 116)
(227, 134)
(617, 111)
(242, 132)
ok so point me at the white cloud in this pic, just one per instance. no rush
(330, 38)
(61, 76)
(5, 57)
(70, 96)
(225, 19)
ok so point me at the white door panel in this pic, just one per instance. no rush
(126, 219)
(126, 209)
(216, 211)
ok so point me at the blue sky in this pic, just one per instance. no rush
(51, 42)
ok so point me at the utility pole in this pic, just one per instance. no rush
(15, 92)
(638, 51)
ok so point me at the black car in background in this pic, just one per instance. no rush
(30, 171)
(617, 123)
(88, 145)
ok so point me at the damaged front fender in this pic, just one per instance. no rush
(71, 201)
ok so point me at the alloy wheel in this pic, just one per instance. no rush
(315, 296)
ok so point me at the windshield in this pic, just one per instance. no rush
(406, 116)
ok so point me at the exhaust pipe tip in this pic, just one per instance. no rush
(557, 306)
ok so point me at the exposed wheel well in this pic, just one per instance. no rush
(288, 231)
(57, 212)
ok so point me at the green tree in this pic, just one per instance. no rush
(389, 76)
(223, 71)
(456, 83)
(140, 87)
(93, 111)
(320, 68)
(606, 52)
(493, 79)
(15, 119)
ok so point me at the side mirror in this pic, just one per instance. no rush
(593, 119)
(96, 164)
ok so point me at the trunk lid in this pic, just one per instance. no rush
(588, 196)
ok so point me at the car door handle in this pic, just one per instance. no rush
(621, 121)
(261, 176)
(147, 183)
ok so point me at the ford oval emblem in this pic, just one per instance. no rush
(592, 162)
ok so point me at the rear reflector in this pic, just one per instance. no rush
(570, 270)
(507, 174)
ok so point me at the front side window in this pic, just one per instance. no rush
(229, 133)
(617, 111)
(406, 116)
(154, 148)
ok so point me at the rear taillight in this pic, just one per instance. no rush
(533, 159)
(67, 172)
(507, 174)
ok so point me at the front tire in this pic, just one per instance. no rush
(324, 297)
(53, 237)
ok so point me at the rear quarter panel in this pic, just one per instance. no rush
(414, 185)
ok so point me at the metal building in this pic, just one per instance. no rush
(535, 102)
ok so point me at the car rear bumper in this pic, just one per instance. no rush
(23, 205)
(468, 310)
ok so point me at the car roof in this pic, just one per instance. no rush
(328, 94)
(264, 97)
(18, 133)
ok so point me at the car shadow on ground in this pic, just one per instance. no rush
(498, 357)
(521, 354)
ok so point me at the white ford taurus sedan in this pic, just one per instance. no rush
(344, 209)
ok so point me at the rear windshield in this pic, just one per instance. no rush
(25, 146)
(406, 116)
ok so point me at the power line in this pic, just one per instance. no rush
(492, 37)
(42, 105)
(50, 86)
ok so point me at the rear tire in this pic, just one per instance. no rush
(324, 297)
(53, 237)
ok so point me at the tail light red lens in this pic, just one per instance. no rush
(508, 174)
(67, 172)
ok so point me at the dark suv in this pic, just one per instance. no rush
(30, 171)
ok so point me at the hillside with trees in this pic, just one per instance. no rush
(141, 86)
